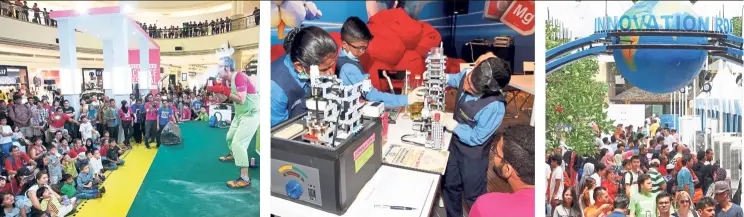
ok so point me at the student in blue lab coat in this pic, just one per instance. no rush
(305, 46)
(479, 110)
(355, 37)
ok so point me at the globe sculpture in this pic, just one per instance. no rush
(659, 70)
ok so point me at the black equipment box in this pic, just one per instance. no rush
(324, 177)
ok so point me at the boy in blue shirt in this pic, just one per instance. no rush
(165, 114)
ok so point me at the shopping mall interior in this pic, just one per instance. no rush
(78, 50)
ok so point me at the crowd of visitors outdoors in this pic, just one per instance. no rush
(642, 172)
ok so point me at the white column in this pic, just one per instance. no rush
(108, 66)
(144, 66)
(69, 75)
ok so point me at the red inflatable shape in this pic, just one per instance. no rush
(386, 46)
(430, 38)
(366, 61)
(405, 27)
(412, 62)
(452, 65)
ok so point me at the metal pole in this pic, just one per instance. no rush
(741, 101)
(742, 104)
(694, 108)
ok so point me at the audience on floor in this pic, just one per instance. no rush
(44, 173)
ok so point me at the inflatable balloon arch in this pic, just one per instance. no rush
(658, 75)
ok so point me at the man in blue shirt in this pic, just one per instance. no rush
(725, 208)
(355, 37)
(479, 110)
(684, 177)
(165, 114)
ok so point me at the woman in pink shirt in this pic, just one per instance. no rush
(151, 115)
(126, 116)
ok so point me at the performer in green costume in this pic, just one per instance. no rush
(244, 125)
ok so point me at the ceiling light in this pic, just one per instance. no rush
(128, 9)
(82, 7)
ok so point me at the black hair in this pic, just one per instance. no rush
(634, 157)
(66, 176)
(575, 202)
(685, 159)
(663, 194)
(309, 45)
(354, 30)
(40, 192)
(700, 155)
(621, 201)
(626, 162)
(705, 202)
(620, 145)
(491, 75)
(599, 167)
(641, 179)
(124, 106)
(597, 190)
(557, 159)
(519, 145)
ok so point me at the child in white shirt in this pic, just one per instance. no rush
(86, 129)
(94, 159)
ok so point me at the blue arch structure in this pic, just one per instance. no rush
(723, 46)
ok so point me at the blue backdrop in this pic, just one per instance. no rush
(469, 26)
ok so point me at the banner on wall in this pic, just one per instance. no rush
(627, 114)
(134, 66)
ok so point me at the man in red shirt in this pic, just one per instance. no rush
(57, 122)
(17, 160)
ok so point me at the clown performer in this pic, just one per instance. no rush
(244, 96)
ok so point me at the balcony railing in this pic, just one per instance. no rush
(204, 29)
(39, 16)
(26, 13)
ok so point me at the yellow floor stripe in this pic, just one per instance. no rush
(121, 185)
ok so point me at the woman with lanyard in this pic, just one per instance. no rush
(42, 181)
(126, 115)
(305, 47)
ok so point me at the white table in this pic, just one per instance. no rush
(525, 83)
(407, 187)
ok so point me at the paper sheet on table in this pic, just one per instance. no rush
(416, 158)
(408, 192)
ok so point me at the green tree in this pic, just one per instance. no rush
(576, 100)
(737, 25)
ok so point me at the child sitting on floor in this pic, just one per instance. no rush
(185, 113)
(68, 166)
(203, 116)
(96, 164)
(53, 205)
(68, 189)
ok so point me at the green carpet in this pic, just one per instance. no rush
(189, 180)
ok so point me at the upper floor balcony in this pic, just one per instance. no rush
(33, 28)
